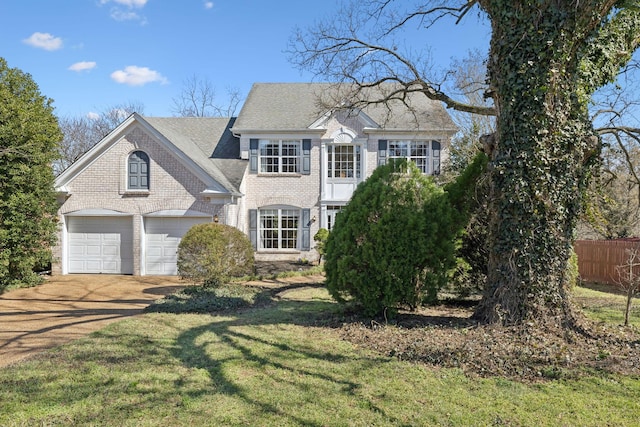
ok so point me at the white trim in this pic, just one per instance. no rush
(97, 212)
(127, 126)
(279, 208)
(177, 213)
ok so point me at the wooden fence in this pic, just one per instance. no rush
(597, 259)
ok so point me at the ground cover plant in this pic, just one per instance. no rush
(291, 357)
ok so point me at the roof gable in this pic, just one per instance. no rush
(302, 106)
(205, 146)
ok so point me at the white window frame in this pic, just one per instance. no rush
(413, 150)
(354, 172)
(281, 163)
(279, 233)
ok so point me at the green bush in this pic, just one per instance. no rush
(321, 242)
(29, 136)
(213, 253)
(469, 194)
(393, 245)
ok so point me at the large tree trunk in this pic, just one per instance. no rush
(539, 163)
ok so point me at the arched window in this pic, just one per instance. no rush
(138, 171)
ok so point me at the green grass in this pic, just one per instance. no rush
(606, 306)
(276, 365)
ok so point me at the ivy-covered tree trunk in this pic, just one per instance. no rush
(541, 154)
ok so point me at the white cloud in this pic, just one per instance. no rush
(83, 66)
(208, 5)
(124, 10)
(44, 41)
(121, 15)
(128, 3)
(133, 75)
(93, 116)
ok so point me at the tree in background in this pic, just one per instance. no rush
(29, 137)
(629, 278)
(613, 206)
(546, 60)
(198, 99)
(80, 134)
(469, 83)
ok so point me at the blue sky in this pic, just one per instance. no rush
(89, 55)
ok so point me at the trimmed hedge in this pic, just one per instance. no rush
(212, 253)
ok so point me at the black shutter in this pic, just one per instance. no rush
(382, 152)
(306, 156)
(306, 229)
(253, 155)
(253, 228)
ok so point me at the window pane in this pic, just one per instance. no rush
(342, 161)
(290, 155)
(279, 156)
(269, 229)
(289, 227)
(279, 228)
(269, 154)
(416, 151)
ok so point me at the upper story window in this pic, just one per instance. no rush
(280, 156)
(343, 161)
(425, 154)
(138, 171)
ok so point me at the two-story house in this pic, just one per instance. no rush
(279, 171)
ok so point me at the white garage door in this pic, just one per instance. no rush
(100, 244)
(162, 236)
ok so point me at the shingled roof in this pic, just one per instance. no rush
(209, 142)
(296, 106)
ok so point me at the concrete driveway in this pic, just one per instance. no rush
(68, 307)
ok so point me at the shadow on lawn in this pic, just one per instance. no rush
(230, 350)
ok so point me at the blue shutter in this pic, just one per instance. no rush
(306, 156)
(435, 146)
(253, 228)
(138, 171)
(306, 229)
(382, 152)
(253, 155)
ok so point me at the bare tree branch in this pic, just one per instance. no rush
(363, 52)
(198, 99)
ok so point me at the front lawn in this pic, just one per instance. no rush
(283, 356)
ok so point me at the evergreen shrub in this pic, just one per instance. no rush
(212, 253)
(394, 243)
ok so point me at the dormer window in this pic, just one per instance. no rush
(138, 171)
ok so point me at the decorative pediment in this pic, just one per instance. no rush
(351, 118)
